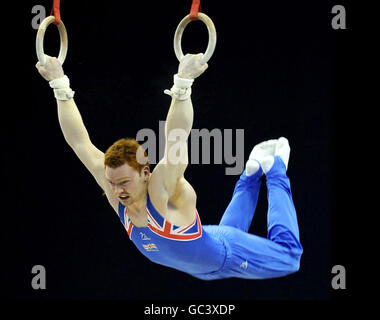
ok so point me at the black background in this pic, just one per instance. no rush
(279, 69)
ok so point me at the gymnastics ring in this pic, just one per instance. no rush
(40, 40)
(211, 37)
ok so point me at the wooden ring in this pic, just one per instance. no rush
(40, 40)
(211, 37)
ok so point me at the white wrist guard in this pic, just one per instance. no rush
(181, 90)
(62, 90)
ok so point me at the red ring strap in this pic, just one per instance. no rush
(195, 8)
(55, 12)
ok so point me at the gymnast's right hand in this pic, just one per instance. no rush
(51, 70)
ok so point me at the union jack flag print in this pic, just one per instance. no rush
(150, 247)
(165, 229)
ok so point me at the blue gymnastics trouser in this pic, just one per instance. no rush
(250, 256)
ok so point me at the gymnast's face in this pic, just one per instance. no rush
(127, 184)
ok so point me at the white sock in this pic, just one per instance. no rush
(283, 150)
(267, 163)
(251, 167)
(261, 154)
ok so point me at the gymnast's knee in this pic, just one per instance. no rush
(294, 266)
(292, 250)
(284, 236)
(293, 259)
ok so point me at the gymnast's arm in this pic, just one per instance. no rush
(179, 122)
(75, 132)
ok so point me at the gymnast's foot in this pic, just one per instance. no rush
(261, 156)
(279, 162)
(283, 150)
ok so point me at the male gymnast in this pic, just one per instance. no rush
(158, 209)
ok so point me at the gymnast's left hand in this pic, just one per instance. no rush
(190, 66)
